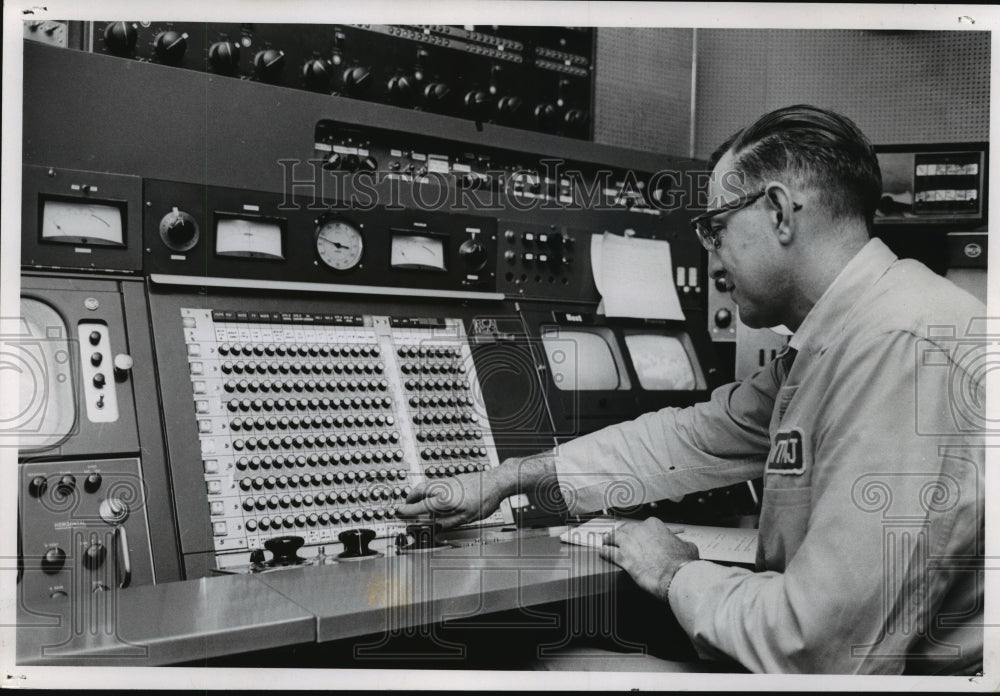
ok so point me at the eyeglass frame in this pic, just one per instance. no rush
(708, 237)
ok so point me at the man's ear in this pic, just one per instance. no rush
(783, 209)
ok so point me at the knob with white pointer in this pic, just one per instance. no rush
(224, 57)
(316, 75)
(269, 64)
(178, 230)
(169, 47)
(120, 38)
(473, 254)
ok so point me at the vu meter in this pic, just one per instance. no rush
(339, 244)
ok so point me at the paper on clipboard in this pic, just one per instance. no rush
(725, 544)
(634, 277)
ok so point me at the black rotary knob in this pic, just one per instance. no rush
(721, 284)
(316, 75)
(224, 57)
(723, 318)
(120, 38)
(178, 230)
(268, 65)
(53, 560)
(37, 486)
(92, 483)
(66, 485)
(169, 47)
(95, 555)
(473, 254)
(400, 88)
(437, 95)
(509, 108)
(546, 116)
(356, 542)
(357, 80)
(424, 537)
(478, 104)
(283, 549)
(575, 120)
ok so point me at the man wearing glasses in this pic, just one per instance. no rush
(867, 431)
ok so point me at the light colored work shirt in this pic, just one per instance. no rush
(872, 454)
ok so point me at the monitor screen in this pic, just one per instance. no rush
(661, 362)
(582, 359)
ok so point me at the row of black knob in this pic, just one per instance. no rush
(450, 435)
(432, 368)
(259, 483)
(65, 484)
(314, 350)
(320, 440)
(426, 352)
(440, 401)
(55, 558)
(343, 497)
(323, 404)
(413, 385)
(449, 452)
(300, 386)
(339, 368)
(445, 417)
(279, 461)
(321, 519)
(295, 422)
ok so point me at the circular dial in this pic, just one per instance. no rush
(339, 244)
(178, 230)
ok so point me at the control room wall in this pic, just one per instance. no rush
(900, 86)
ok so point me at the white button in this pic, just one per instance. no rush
(204, 426)
(218, 507)
(197, 368)
(194, 349)
(693, 275)
(680, 276)
(189, 323)
(211, 466)
(201, 406)
(213, 486)
(219, 529)
(199, 387)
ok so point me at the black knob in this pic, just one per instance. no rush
(723, 318)
(400, 90)
(37, 486)
(99, 380)
(356, 542)
(94, 338)
(575, 120)
(283, 550)
(424, 537)
(268, 65)
(316, 75)
(224, 57)
(66, 485)
(368, 164)
(721, 285)
(53, 560)
(120, 38)
(94, 556)
(546, 117)
(357, 80)
(92, 483)
(178, 230)
(436, 95)
(169, 47)
(478, 104)
(334, 162)
(96, 359)
(509, 108)
(473, 254)
(257, 557)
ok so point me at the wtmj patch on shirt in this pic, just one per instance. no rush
(788, 453)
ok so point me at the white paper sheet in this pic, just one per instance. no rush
(635, 277)
(727, 544)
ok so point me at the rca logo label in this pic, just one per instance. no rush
(788, 454)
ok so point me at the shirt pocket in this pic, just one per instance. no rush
(784, 518)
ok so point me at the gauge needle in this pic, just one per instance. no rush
(336, 244)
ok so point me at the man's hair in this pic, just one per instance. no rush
(822, 148)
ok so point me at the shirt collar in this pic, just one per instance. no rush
(825, 319)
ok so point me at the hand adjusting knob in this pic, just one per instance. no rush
(355, 543)
(283, 549)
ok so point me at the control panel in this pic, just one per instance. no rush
(313, 425)
(83, 529)
(537, 78)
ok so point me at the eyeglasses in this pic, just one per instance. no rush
(710, 237)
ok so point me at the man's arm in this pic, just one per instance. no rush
(885, 503)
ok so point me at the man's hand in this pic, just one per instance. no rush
(649, 552)
(454, 500)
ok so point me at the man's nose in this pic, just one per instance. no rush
(715, 267)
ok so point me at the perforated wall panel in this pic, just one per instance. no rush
(642, 89)
(900, 87)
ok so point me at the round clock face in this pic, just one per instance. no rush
(339, 244)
